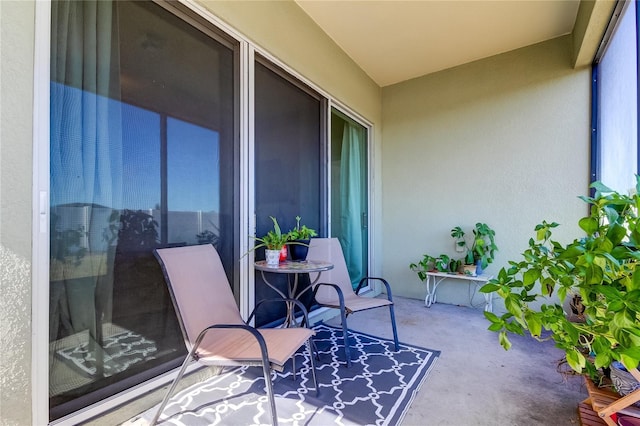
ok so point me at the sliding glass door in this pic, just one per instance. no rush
(145, 152)
(144, 148)
(350, 195)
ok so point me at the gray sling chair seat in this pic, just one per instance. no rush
(213, 329)
(335, 290)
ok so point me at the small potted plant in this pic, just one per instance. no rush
(299, 238)
(481, 252)
(441, 263)
(274, 242)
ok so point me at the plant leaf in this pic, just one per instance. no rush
(530, 276)
(588, 225)
(575, 360)
(504, 341)
(533, 323)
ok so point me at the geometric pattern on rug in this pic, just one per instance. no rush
(376, 390)
(119, 351)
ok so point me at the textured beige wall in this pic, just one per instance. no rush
(16, 100)
(503, 141)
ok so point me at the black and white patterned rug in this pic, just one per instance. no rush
(376, 390)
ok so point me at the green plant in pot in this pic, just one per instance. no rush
(481, 251)
(299, 238)
(441, 263)
(602, 268)
(274, 241)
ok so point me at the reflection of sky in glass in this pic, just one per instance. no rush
(130, 175)
(140, 158)
(193, 167)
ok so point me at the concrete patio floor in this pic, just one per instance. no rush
(475, 381)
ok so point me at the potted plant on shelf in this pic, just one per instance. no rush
(480, 252)
(602, 267)
(299, 238)
(441, 263)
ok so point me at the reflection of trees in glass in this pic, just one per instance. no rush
(137, 230)
(207, 237)
(65, 243)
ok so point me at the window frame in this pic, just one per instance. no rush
(620, 9)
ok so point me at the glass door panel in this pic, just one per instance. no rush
(139, 136)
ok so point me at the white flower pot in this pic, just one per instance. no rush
(272, 257)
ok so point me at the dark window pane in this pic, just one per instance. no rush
(288, 156)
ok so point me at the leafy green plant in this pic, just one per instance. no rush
(274, 239)
(207, 237)
(301, 232)
(441, 263)
(603, 268)
(483, 246)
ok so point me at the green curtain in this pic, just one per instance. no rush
(353, 191)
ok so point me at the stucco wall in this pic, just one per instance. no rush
(503, 141)
(16, 100)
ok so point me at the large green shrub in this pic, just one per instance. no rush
(603, 268)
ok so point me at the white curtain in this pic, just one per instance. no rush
(85, 122)
(86, 178)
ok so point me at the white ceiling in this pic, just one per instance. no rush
(396, 40)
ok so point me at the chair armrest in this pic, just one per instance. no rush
(382, 280)
(280, 300)
(335, 287)
(251, 330)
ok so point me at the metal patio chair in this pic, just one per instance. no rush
(213, 329)
(335, 290)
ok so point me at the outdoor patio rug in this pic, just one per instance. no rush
(376, 390)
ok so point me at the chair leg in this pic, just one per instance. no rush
(310, 347)
(393, 326)
(164, 402)
(345, 336)
(266, 370)
(293, 366)
(315, 350)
